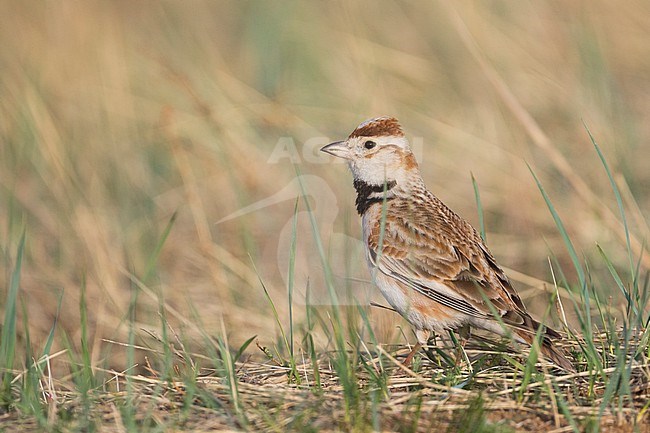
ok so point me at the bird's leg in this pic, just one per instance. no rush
(423, 337)
(464, 334)
(409, 357)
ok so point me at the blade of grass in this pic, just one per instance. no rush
(50, 336)
(311, 347)
(153, 258)
(619, 200)
(30, 401)
(560, 226)
(329, 280)
(8, 343)
(243, 347)
(230, 374)
(585, 319)
(479, 208)
(529, 367)
(618, 280)
(292, 265)
(341, 362)
(294, 374)
(87, 370)
(128, 410)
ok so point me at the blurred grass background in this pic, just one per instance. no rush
(116, 115)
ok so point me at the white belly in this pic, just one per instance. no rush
(403, 304)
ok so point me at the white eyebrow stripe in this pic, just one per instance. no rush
(395, 140)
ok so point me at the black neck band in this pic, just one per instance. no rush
(365, 190)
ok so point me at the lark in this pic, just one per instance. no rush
(430, 264)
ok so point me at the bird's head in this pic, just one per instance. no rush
(377, 151)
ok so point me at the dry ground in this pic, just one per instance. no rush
(430, 396)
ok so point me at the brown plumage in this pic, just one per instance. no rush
(381, 126)
(433, 267)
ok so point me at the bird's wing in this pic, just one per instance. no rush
(448, 263)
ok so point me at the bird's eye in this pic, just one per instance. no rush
(369, 144)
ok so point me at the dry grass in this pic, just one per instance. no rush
(117, 117)
(431, 395)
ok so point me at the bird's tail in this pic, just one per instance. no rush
(547, 348)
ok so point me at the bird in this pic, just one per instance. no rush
(429, 263)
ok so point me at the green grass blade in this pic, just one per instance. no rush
(479, 208)
(618, 280)
(311, 347)
(329, 279)
(292, 361)
(586, 326)
(562, 229)
(8, 343)
(230, 374)
(153, 258)
(50, 336)
(243, 347)
(292, 266)
(87, 371)
(128, 411)
(341, 362)
(30, 400)
(529, 366)
(617, 195)
(276, 316)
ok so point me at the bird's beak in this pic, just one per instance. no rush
(338, 149)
